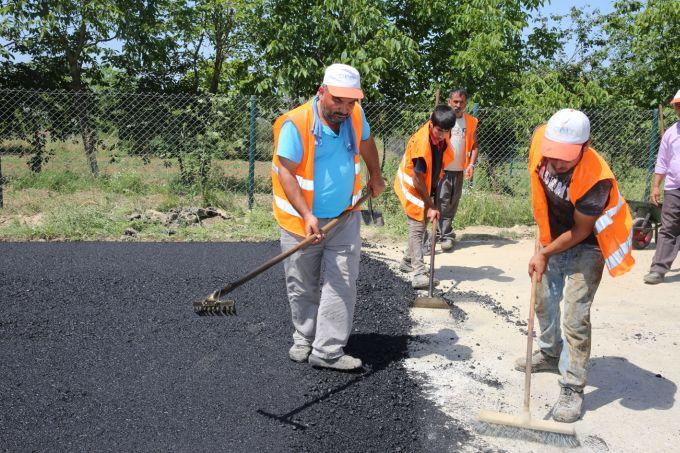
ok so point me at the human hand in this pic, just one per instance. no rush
(656, 195)
(433, 215)
(376, 185)
(469, 172)
(537, 264)
(312, 228)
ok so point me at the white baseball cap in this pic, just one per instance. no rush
(676, 99)
(565, 134)
(343, 81)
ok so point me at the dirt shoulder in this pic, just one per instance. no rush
(630, 402)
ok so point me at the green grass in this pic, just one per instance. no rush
(64, 202)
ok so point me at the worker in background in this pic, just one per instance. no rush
(428, 151)
(465, 151)
(316, 176)
(668, 168)
(584, 224)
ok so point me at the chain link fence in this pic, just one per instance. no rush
(220, 147)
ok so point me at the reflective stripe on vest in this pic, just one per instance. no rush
(403, 177)
(607, 217)
(305, 184)
(286, 207)
(619, 254)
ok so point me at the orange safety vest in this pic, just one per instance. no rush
(303, 119)
(418, 146)
(613, 229)
(470, 130)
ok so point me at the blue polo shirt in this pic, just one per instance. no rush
(333, 164)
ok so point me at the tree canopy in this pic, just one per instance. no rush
(502, 51)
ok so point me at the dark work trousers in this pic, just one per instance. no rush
(668, 239)
(450, 190)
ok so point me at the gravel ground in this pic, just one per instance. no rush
(100, 351)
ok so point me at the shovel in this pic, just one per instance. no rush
(431, 301)
(372, 217)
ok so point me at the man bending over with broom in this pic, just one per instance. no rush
(316, 176)
(584, 224)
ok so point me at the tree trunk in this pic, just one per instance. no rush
(217, 69)
(39, 158)
(83, 104)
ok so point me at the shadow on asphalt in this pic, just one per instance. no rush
(617, 379)
(394, 349)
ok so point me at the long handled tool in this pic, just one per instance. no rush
(431, 301)
(523, 426)
(371, 216)
(212, 305)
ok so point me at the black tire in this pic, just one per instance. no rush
(642, 237)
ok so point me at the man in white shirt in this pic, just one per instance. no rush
(464, 143)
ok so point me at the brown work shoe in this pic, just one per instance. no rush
(568, 406)
(539, 362)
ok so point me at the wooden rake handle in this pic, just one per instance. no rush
(278, 258)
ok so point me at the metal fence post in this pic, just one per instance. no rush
(653, 140)
(2, 186)
(251, 153)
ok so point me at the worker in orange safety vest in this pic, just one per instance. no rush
(584, 225)
(316, 176)
(428, 151)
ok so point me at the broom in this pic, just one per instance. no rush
(523, 426)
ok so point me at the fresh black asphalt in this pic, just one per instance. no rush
(100, 351)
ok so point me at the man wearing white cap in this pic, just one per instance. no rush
(668, 168)
(316, 175)
(584, 224)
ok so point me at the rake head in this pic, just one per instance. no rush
(214, 307)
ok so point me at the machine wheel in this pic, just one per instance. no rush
(641, 236)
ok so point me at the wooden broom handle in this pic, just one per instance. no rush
(530, 334)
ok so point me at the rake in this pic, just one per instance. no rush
(215, 306)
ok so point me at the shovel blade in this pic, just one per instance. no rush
(430, 302)
(372, 217)
(378, 219)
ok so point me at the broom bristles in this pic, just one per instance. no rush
(522, 427)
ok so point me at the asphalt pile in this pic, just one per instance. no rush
(100, 350)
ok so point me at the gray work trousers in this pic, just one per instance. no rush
(322, 315)
(668, 239)
(414, 250)
(450, 190)
(573, 275)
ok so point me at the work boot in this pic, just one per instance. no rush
(539, 362)
(568, 407)
(299, 353)
(405, 266)
(422, 281)
(653, 278)
(342, 363)
(447, 244)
